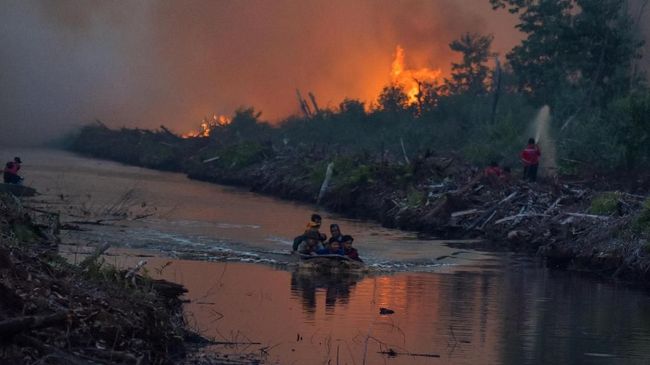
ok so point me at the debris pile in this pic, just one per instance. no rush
(53, 312)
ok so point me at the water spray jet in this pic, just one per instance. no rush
(542, 127)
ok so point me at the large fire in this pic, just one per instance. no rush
(207, 126)
(411, 80)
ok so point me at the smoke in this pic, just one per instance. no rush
(147, 63)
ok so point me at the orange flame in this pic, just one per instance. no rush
(207, 126)
(411, 79)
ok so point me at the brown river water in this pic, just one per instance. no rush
(230, 249)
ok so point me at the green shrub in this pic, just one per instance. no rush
(642, 221)
(605, 203)
(241, 155)
(415, 198)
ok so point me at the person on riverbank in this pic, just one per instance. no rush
(310, 244)
(10, 172)
(350, 251)
(530, 158)
(333, 249)
(492, 174)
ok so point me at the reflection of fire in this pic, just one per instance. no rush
(208, 126)
(411, 79)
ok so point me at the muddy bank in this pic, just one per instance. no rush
(54, 312)
(572, 225)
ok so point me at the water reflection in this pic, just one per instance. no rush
(338, 286)
(519, 314)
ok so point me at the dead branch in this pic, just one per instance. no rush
(94, 256)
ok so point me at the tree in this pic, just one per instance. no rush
(353, 108)
(393, 99)
(471, 73)
(580, 47)
(632, 122)
(245, 123)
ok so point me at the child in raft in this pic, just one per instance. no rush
(350, 251)
(312, 226)
(310, 244)
(333, 249)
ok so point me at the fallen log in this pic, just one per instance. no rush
(464, 212)
(211, 159)
(489, 214)
(12, 326)
(592, 216)
(519, 216)
(554, 205)
(53, 351)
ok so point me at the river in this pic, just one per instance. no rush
(230, 249)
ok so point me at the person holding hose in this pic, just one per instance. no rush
(530, 158)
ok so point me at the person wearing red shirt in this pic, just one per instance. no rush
(10, 172)
(530, 158)
(492, 173)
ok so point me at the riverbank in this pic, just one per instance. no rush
(571, 225)
(56, 312)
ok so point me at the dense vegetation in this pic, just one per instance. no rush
(579, 57)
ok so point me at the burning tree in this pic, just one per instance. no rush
(207, 126)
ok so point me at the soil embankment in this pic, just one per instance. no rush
(53, 312)
(572, 225)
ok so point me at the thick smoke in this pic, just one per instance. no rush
(147, 63)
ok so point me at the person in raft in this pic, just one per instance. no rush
(310, 244)
(530, 158)
(350, 251)
(333, 249)
(312, 226)
(336, 234)
(10, 172)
